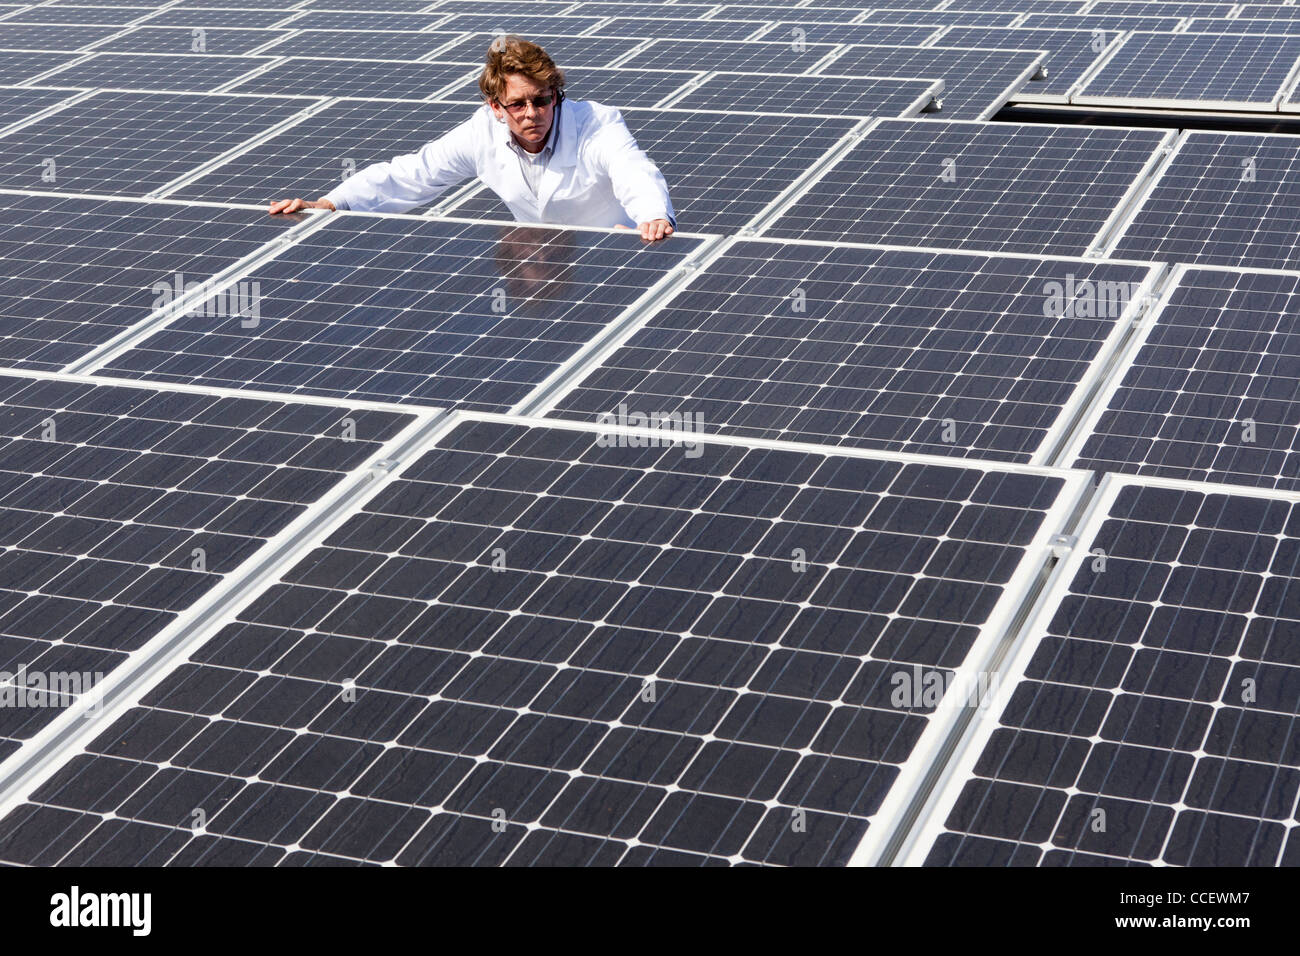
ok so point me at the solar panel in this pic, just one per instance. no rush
(790, 31)
(45, 36)
(1267, 11)
(379, 44)
(1213, 70)
(132, 143)
(679, 29)
(125, 506)
(435, 312)
(1070, 53)
(610, 86)
(813, 95)
(741, 11)
(1224, 199)
(312, 157)
(999, 187)
(76, 272)
(976, 83)
(901, 350)
(241, 4)
(722, 169)
(1171, 8)
(970, 18)
(187, 16)
(328, 20)
(524, 24)
(398, 6)
(1051, 21)
(17, 103)
(508, 8)
(1210, 392)
(1206, 25)
(595, 8)
(380, 79)
(605, 699)
(1024, 6)
(17, 67)
(1155, 721)
(186, 40)
(186, 72)
(565, 51)
(107, 15)
(744, 56)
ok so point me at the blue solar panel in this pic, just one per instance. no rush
(812, 95)
(1205, 68)
(1210, 394)
(601, 700)
(381, 79)
(440, 313)
(215, 40)
(109, 491)
(133, 143)
(182, 72)
(991, 186)
(611, 86)
(76, 272)
(1155, 721)
(1070, 53)
(920, 351)
(564, 50)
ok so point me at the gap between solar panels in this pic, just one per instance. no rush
(803, 740)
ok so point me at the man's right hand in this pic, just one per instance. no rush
(296, 205)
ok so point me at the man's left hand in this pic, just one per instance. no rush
(656, 229)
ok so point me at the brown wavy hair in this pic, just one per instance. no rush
(513, 54)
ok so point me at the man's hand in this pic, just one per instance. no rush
(656, 229)
(295, 205)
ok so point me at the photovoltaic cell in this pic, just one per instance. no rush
(633, 689)
(525, 24)
(395, 6)
(187, 16)
(184, 72)
(17, 67)
(735, 11)
(381, 79)
(108, 490)
(1267, 11)
(327, 20)
(1211, 394)
(1168, 8)
(564, 50)
(939, 353)
(312, 157)
(1132, 709)
(976, 83)
(106, 15)
(18, 36)
(969, 18)
(1207, 68)
(596, 8)
(182, 40)
(611, 86)
(810, 95)
(1070, 53)
(382, 44)
(1049, 21)
(722, 169)
(1224, 199)
(677, 28)
(1024, 6)
(19, 102)
(76, 272)
(441, 313)
(133, 143)
(742, 56)
(998, 187)
(1205, 25)
(886, 32)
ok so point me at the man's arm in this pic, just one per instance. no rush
(638, 184)
(405, 182)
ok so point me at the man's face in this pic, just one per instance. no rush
(527, 122)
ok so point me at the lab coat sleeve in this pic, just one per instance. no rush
(638, 184)
(412, 179)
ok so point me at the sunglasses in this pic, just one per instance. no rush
(517, 107)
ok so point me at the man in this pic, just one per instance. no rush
(549, 159)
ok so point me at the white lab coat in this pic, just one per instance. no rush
(597, 175)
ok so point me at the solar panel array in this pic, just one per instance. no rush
(435, 538)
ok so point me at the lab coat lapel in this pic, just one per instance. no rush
(511, 185)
